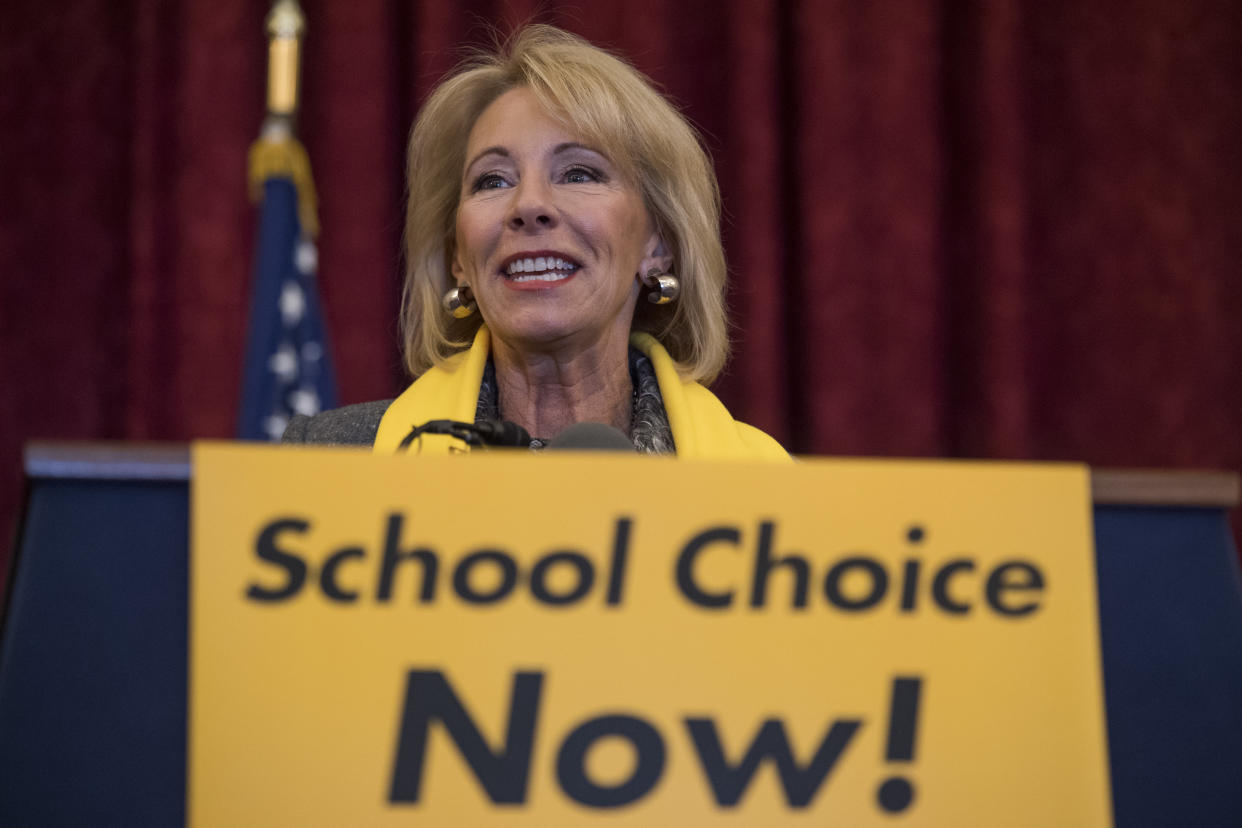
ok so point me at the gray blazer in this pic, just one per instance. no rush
(353, 425)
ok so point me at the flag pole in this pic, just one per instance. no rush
(278, 152)
(286, 24)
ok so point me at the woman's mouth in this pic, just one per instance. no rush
(538, 270)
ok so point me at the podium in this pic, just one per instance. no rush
(93, 652)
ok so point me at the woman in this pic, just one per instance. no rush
(563, 262)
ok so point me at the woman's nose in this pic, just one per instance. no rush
(531, 208)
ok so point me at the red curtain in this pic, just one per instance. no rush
(997, 229)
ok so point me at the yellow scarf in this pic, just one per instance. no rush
(702, 427)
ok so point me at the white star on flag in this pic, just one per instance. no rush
(274, 425)
(292, 304)
(304, 401)
(306, 257)
(284, 363)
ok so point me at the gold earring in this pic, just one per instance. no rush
(459, 302)
(665, 286)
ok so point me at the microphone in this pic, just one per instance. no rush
(591, 437)
(487, 433)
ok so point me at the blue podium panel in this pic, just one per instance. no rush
(1171, 629)
(93, 665)
(93, 657)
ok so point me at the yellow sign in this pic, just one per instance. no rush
(566, 640)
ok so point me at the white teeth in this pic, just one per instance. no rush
(551, 276)
(549, 265)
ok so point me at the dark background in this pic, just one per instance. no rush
(998, 229)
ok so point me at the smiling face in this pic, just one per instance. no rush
(551, 237)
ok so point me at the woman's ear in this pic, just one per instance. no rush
(657, 256)
(456, 269)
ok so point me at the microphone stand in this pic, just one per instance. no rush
(477, 435)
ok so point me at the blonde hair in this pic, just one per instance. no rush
(613, 107)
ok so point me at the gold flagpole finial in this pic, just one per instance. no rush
(278, 153)
(286, 26)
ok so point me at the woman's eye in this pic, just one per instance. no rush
(489, 181)
(581, 175)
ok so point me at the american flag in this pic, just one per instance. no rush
(287, 370)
